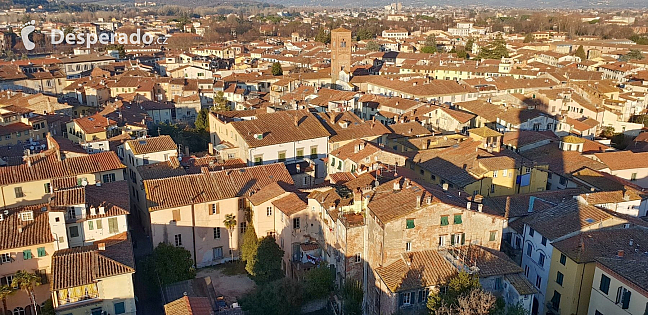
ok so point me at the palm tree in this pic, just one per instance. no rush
(5, 291)
(27, 281)
(230, 224)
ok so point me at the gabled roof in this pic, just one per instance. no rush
(34, 232)
(416, 270)
(280, 127)
(153, 144)
(189, 306)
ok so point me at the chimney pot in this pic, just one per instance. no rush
(101, 246)
(620, 253)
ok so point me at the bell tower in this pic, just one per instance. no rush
(340, 52)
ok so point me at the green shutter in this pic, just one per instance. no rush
(463, 238)
(41, 252)
(444, 220)
(27, 254)
(457, 219)
(410, 223)
(452, 239)
(90, 225)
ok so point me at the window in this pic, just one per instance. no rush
(538, 282)
(295, 223)
(633, 176)
(559, 278)
(5, 258)
(563, 259)
(99, 224)
(458, 239)
(215, 208)
(90, 225)
(27, 254)
(408, 246)
(492, 188)
(442, 241)
(145, 161)
(282, 156)
(357, 258)
(541, 260)
(258, 160)
(48, 188)
(526, 271)
(217, 252)
(243, 227)
(529, 249)
(217, 233)
(269, 211)
(113, 227)
(444, 220)
(505, 173)
(19, 311)
(313, 153)
(492, 236)
(604, 286)
(457, 219)
(409, 224)
(555, 300)
(300, 153)
(120, 308)
(19, 192)
(41, 252)
(176, 215)
(494, 174)
(74, 231)
(178, 239)
(623, 298)
(531, 232)
(544, 241)
(107, 178)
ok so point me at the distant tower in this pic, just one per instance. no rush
(340, 52)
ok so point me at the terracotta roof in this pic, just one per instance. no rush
(340, 177)
(290, 204)
(559, 161)
(484, 132)
(34, 232)
(567, 217)
(346, 126)
(95, 123)
(587, 246)
(455, 164)
(521, 284)
(623, 160)
(572, 139)
(266, 193)
(153, 144)
(45, 165)
(280, 127)
(416, 270)
(189, 306)
(91, 264)
(197, 188)
(169, 168)
(409, 129)
(519, 204)
(632, 267)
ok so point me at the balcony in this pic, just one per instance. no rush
(77, 296)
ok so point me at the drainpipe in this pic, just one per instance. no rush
(580, 289)
(193, 234)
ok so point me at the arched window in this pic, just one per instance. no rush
(19, 311)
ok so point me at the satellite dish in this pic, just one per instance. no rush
(84, 183)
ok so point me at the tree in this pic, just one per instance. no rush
(5, 291)
(319, 281)
(462, 54)
(608, 132)
(202, 120)
(364, 34)
(323, 36)
(476, 302)
(276, 69)
(230, 224)
(496, 49)
(528, 38)
(580, 52)
(265, 266)
(430, 45)
(352, 295)
(284, 296)
(373, 46)
(469, 44)
(26, 281)
(250, 244)
(220, 102)
(48, 308)
(633, 54)
(172, 264)
(459, 285)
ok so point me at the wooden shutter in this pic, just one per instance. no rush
(176, 215)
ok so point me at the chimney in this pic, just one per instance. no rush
(620, 253)
(101, 246)
(102, 210)
(418, 201)
(93, 211)
(20, 228)
(507, 208)
(479, 207)
(445, 186)
(428, 200)
(468, 204)
(296, 121)
(396, 185)
(631, 242)
(626, 195)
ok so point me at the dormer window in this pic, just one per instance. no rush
(27, 216)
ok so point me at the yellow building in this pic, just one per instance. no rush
(573, 266)
(101, 280)
(90, 128)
